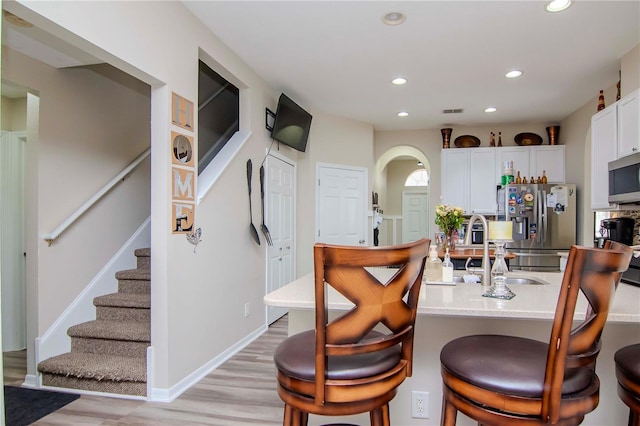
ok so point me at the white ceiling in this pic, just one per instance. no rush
(337, 57)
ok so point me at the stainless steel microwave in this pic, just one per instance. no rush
(624, 180)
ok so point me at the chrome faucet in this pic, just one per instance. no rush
(486, 262)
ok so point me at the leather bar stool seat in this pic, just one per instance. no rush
(508, 365)
(296, 358)
(627, 362)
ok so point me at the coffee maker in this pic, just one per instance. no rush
(617, 229)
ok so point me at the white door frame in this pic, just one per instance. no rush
(272, 313)
(365, 190)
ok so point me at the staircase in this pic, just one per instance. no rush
(109, 353)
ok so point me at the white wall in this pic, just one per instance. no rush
(397, 173)
(333, 140)
(630, 71)
(14, 114)
(197, 296)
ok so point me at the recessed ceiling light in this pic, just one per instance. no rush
(399, 81)
(513, 74)
(394, 18)
(403, 114)
(491, 109)
(558, 5)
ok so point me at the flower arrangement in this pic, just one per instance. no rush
(449, 218)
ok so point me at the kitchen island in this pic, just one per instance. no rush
(449, 311)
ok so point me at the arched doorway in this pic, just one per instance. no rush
(389, 182)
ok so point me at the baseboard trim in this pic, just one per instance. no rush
(168, 395)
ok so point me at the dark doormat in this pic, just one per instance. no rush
(24, 406)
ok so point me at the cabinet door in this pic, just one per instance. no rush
(629, 124)
(520, 157)
(482, 180)
(455, 177)
(549, 159)
(603, 149)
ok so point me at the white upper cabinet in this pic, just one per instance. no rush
(548, 159)
(520, 157)
(604, 136)
(615, 133)
(532, 161)
(455, 177)
(469, 179)
(470, 175)
(628, 109)
(482, 181)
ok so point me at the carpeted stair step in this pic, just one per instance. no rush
(134, 281)
(143, 257)
(133, 331)
(109, 354)
(96, 372)
(123, 307)
(110, 347)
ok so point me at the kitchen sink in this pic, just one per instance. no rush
(510, 281)
(522, 280)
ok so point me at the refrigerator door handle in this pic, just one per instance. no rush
(543, 216)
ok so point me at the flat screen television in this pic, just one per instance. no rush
(292, 124)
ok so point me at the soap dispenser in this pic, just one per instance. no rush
(447, 268)
(433, 266)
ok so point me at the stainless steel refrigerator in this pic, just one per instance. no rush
(544, 222)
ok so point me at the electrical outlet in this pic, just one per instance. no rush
(419, 405)
(246, 309)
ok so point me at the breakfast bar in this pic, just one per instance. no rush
(449, 311)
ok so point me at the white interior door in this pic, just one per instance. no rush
(12, 248)
(280, 220)
(341, 205)
(415, 216)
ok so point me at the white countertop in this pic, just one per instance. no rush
(466, 300)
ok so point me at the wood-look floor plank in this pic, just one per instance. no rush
(242, 391)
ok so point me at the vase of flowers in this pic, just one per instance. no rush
(449, 219)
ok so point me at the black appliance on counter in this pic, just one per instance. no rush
(477, 233)
(621, 229)
(617, 229)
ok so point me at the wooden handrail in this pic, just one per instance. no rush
(49, 238)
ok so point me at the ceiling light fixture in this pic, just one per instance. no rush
(558, 5)
(394, 18)
(513, 74)
(398, 81)
(403, 114)
(491, 109)
(420, 163)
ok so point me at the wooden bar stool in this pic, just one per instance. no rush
(344, 367)
(507, 380)
(627, 362)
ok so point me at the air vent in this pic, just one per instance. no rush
(453, 111)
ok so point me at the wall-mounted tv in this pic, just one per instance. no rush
(292, 124)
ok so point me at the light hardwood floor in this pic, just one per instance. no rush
(242, 391)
